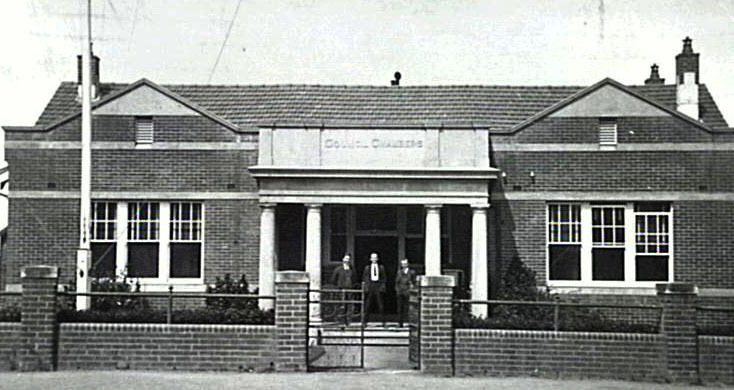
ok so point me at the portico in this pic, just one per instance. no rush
(410, 191)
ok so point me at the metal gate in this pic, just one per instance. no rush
(336, 341)
(339, 338)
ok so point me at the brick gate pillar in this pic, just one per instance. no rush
(436, 329)
(291, 320)
(678, 328)
(38, 318)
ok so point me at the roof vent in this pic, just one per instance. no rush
(654, 76)
(397, 79)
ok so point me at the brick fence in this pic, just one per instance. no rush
(40, 343)
(676, 354)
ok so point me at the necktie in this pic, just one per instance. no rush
(374, 276)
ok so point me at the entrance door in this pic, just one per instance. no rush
(387, 248)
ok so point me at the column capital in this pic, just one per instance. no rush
(433, 207)
(267, 206)
(314, 206)
(475, 208)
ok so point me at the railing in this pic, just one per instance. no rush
(719, 320)
(557, 305)
(169, 296)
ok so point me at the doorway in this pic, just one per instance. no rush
(387, 248)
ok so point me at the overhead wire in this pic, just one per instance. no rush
(224, 43)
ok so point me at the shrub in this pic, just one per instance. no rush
(110, 303)
(227, 285)
(137, 310)
(519, 284)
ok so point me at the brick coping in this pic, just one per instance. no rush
(716, 340)
(97, 326)
(549, 334)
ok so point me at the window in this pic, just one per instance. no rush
(564, 241)
(142, 235)
(608, 133)
(103, 240)
(143, 130)
(609, 244)
(186, 223)
(652, 242)
(160, 242)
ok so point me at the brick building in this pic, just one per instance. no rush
(603, 189)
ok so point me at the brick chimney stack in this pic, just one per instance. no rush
(686, 80)
(654, 76)
(686, 61)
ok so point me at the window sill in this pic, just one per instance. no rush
(630, 288)
(183, 285)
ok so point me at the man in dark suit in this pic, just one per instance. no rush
(404, 281)
(343, 278)
(373, 283)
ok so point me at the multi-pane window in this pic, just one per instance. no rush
(156, 241)
(607, 231)
(104, 239)
(564, 241)
(652, 241)
(185, 236)
(143, 226)
(603, 244)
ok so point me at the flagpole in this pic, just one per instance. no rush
(83, 282)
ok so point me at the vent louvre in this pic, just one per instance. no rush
(607, 132)
(143, 130)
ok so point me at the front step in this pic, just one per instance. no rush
(343, 346)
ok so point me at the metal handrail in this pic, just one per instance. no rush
(556, 305)
(170, 295)
(716, 308)
(11, 293)
(163, 294)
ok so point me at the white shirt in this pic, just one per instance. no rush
(374, 273)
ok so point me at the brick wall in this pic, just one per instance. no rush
(716, 359)
(9, 342)
(232, 239)
(558, 354)
(612, 171)
(291, 320)
(629, 129)
(435, 324)
(704, 250)
(166, 347)
(42, 231)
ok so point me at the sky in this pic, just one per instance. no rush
(355, 42)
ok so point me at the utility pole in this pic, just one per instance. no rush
(83, 255)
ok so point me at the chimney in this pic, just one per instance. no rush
(94, 75)
(686, 80)
(396, 82)
(654, 78)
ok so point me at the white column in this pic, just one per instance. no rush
(266, 274)
(479, 283)
(433, 240)
(313, 257)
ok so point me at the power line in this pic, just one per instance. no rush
(224, 43)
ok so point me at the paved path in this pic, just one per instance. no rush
(396, 379)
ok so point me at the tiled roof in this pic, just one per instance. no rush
(500, 107)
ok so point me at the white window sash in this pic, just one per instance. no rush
(630, 249)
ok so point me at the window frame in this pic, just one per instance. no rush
(630, 249)
(164, 244)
